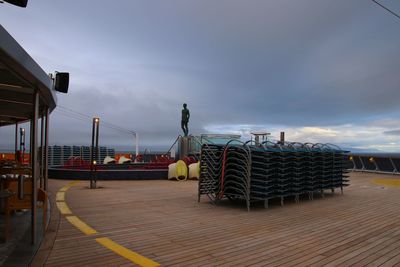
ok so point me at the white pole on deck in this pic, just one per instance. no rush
(137, 143)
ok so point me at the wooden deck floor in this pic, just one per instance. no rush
(162, 221)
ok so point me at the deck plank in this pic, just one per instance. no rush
(161, 220)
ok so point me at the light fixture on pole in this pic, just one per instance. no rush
(22, 143)
(94, 154)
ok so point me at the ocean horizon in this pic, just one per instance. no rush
(162, 149)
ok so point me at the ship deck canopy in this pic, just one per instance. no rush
(26, 95)
(20, 78)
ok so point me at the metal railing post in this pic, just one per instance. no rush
(34, 163)
(362, 163)
(394, 166)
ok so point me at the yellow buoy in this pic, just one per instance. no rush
(178, 171)
(172, 171)
(181, 170)
(194, 170)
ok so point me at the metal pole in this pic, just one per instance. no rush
(394, 166)
(41, 151)
(22, 143)
(92, 154)
(33, 152)
(282, 140)
(137, 144)
(16, 141)
(362, 163)
(371, 159)
(257, 139)
(97, 141)
(46, 149)
(97, 151)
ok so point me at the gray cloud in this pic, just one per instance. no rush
(392, 132)
(287, 63)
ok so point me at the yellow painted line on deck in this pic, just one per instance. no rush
(68, 186)
(63, 207)
(127, 253)
(64, 188)
(83, 227)
(387, 182)
(73, 183)
(60, 196)
(106, 242)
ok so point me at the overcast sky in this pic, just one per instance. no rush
(320, 70)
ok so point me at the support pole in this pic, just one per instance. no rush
(41, 151)
(394, 166)
(94, 153)
(137, 144)
(46, 149)
(34, 163)
(97, 142)
(372, 159)
(257, 140)
(22, 143)
(362, 163)
(16, 141)
(282, 139)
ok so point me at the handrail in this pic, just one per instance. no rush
(375, 163)
(176, 140)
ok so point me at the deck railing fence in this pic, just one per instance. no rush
(376, 163)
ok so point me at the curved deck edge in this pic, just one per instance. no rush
(40, 258)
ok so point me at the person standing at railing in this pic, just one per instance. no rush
(185, 119)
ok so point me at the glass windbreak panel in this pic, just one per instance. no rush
(220, 139)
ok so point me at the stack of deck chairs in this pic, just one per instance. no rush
(271, 170)
(210, 170)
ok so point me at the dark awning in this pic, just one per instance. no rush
(20, 75)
